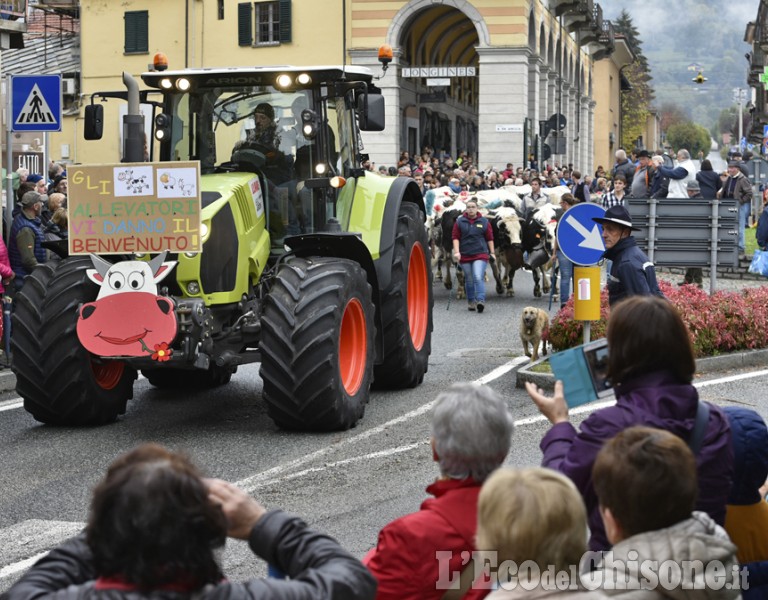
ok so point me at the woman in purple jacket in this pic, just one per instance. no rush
(651, 365)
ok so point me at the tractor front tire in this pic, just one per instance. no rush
(189, 379)
(60, 381)
(317, 344)
(406, 306)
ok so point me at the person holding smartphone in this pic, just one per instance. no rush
(651, 365)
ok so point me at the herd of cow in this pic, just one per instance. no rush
(523, 235)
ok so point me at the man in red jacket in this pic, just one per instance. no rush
(419, 556)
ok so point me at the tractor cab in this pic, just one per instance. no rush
(295, 128)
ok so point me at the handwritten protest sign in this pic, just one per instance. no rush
(134, 208)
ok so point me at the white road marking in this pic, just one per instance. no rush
(249, 482)
(11, 404)
(22, 565)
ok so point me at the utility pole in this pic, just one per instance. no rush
(739, 95)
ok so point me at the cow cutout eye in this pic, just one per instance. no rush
(136, 280)
(116, 280)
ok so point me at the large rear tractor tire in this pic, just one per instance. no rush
(407, 306)
(61, 382)
(189, 379)
(317, 344)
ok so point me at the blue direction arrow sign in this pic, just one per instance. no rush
(579, 237)
(36, 103)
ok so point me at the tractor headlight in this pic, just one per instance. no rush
(204, 231)
(193, 288)
(284, 80)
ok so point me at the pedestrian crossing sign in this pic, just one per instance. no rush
(36, 102)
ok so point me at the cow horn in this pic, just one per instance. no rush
(157, 262)
(101, 265)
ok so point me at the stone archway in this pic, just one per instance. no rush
(443, 36)
(400, 21)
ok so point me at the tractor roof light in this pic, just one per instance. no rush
(160, 62)
(284, 81)
(166, 83)
(304, 79)
(183, 84)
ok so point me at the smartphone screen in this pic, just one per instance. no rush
(596, 355)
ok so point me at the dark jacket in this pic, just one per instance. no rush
(473, 236)
(659, 185)
(315, 563)
(762, 229)
(738, 187)
(20, 222)
(632, 273)
(710, 182)
(655, 400)
(627, 169)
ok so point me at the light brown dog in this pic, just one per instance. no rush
(533, 323)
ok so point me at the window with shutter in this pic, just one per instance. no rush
(137, 32)
(285, 21)
(244, 24)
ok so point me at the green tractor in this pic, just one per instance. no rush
(311, 265)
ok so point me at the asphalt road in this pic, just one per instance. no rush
(348, 484)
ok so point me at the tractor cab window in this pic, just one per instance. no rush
(340, 118)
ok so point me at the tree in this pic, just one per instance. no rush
(690, 136)
(635, 103)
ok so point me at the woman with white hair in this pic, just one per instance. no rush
(416, 554)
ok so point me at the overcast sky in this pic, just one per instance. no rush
(647, 14)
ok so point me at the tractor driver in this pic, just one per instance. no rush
(265, 131)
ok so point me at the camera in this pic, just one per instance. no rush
(584, 372)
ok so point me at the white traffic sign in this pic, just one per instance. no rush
(36, 102)
(579, 237)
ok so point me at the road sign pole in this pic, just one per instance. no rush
(9, 199)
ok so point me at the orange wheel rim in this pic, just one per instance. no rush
(418, 296)
(107, 374)
(353, 347)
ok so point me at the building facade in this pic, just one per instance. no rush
(504, 80)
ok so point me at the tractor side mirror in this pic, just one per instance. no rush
(370, 108)
(94, 122)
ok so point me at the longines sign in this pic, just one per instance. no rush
(439, 72)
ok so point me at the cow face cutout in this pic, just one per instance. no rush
(128, 318)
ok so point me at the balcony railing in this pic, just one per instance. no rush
(607, 40)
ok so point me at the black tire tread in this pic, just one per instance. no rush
(53, 370)
(299, 344)
(403, 366)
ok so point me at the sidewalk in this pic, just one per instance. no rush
(709, 364)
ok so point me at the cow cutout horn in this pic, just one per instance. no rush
(157, 262)
(101, 265)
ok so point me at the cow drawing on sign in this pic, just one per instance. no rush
(128, 317)
(132, 183)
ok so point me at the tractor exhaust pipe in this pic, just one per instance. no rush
(134, 140)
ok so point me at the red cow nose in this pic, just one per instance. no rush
(87, 311)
